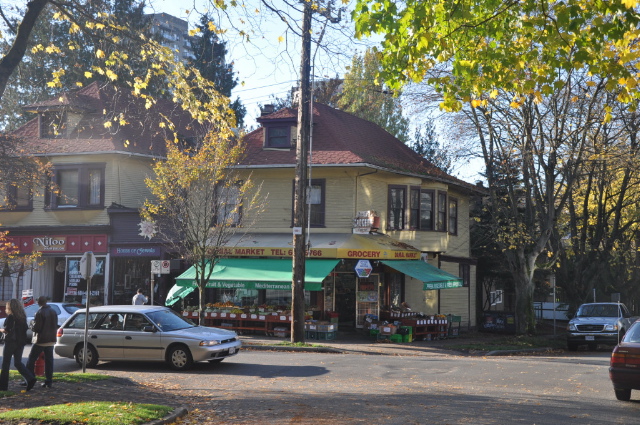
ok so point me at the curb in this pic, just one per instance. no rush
(525, 350)
(285, 348)
(171, 417)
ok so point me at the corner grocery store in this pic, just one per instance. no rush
(254, 282)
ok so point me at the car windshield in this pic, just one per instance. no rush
(71, 308)
(633, 334)
(168, 320)
(598, 310)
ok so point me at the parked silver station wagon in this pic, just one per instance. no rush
(140, 332)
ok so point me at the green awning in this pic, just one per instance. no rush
(269, 273)
(176, 293)
(433, 277)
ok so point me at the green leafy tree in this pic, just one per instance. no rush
(523, 47)
(56, 47)
(200, 201)
(363, 97)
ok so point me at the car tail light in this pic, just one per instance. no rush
(625, 358)
(60, 332)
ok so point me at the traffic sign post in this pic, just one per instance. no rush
(158, 267)
(87, 270)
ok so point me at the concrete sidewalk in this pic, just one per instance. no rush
(358, 342)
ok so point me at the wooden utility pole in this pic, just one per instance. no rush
(300, 218)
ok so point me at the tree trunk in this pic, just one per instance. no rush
(300, 200)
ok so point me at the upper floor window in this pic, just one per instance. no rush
(421, 209)
(315, 202)
(229, 205)
(278, 137)
(453, 216)
(315, 198)
(79, 186)
(14, 198)
(441, 220)
(397, 207)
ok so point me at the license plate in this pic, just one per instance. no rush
(232, 350)
(589, 338)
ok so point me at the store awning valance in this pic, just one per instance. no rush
(322, 245)
(433, 277)
(176, 293)
(260, 273)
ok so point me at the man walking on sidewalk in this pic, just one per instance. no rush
(44, 329)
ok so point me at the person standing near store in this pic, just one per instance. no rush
(15, 338)
(45, 328)
(139, 298)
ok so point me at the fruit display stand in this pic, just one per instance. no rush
(272, 324)
(423, 328)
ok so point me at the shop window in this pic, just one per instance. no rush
(315, 202)
(441, 221)
(78, 187)
(229, 205)
(278, 137)
(15, 198)
(453, 216)
(397, 204)
(421, 209)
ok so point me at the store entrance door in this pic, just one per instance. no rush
(345, 299)
(367, 298)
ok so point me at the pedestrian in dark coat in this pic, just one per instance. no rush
(15, 338)
(45, 330)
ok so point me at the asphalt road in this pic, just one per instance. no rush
(267, 387)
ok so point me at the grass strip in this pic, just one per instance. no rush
(57, 377)
(92, 413)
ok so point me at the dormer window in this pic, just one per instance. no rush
(278, 137)
(51, 125)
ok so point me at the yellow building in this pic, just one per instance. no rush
(374, 204)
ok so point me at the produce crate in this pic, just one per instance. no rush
(407, 338)
(326, 336)
(396, 338)
(374, 333)
(310, 335)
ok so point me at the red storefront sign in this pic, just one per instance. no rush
(63, 244)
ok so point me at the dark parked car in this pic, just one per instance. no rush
(624, 369)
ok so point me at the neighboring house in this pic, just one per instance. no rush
(102, 143)
(371, 198)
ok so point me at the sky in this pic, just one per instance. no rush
(268, 66)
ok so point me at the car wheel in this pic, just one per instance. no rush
(214, 361)
(622, 394)
(92, 355)
(179, 357)
(572, 346)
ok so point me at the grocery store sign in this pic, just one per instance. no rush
(375, 254)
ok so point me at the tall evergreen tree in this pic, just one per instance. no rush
(425, 143)
(74, 63)
(210, 59)
(364, 98)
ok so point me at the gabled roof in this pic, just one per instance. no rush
(97, 104)
(340, 138)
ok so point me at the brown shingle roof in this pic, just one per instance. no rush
(342, 138)
(99, 103)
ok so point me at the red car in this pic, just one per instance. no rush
(624, 369)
